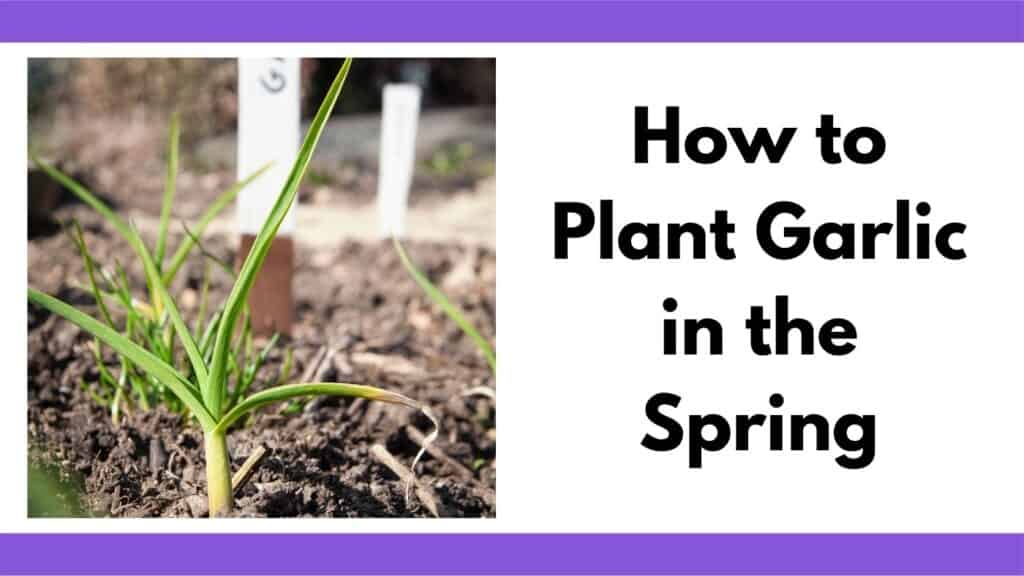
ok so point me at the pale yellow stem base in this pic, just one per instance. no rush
(218, 475)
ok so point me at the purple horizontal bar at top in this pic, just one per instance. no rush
(301, 554)
(512, 21)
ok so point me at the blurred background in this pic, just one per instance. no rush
(105, 122)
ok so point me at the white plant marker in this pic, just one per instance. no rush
(268, 131)
(401, 111)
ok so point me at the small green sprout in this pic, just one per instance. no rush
(206, 396)
(51, 496)
(451, 159)
(450, 310)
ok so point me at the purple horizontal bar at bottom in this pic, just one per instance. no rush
(512, 21)
(261, 554)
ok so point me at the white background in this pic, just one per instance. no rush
(939, 342)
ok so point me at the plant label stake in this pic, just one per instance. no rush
(268, 131)
(397, 155)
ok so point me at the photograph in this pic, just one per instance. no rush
(261, 287)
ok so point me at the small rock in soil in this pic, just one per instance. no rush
(198, 506)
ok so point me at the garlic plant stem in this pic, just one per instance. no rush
(218, 474)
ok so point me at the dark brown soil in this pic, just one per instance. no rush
(356, 307)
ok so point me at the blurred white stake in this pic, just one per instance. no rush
(268, 131)
(397, 155)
